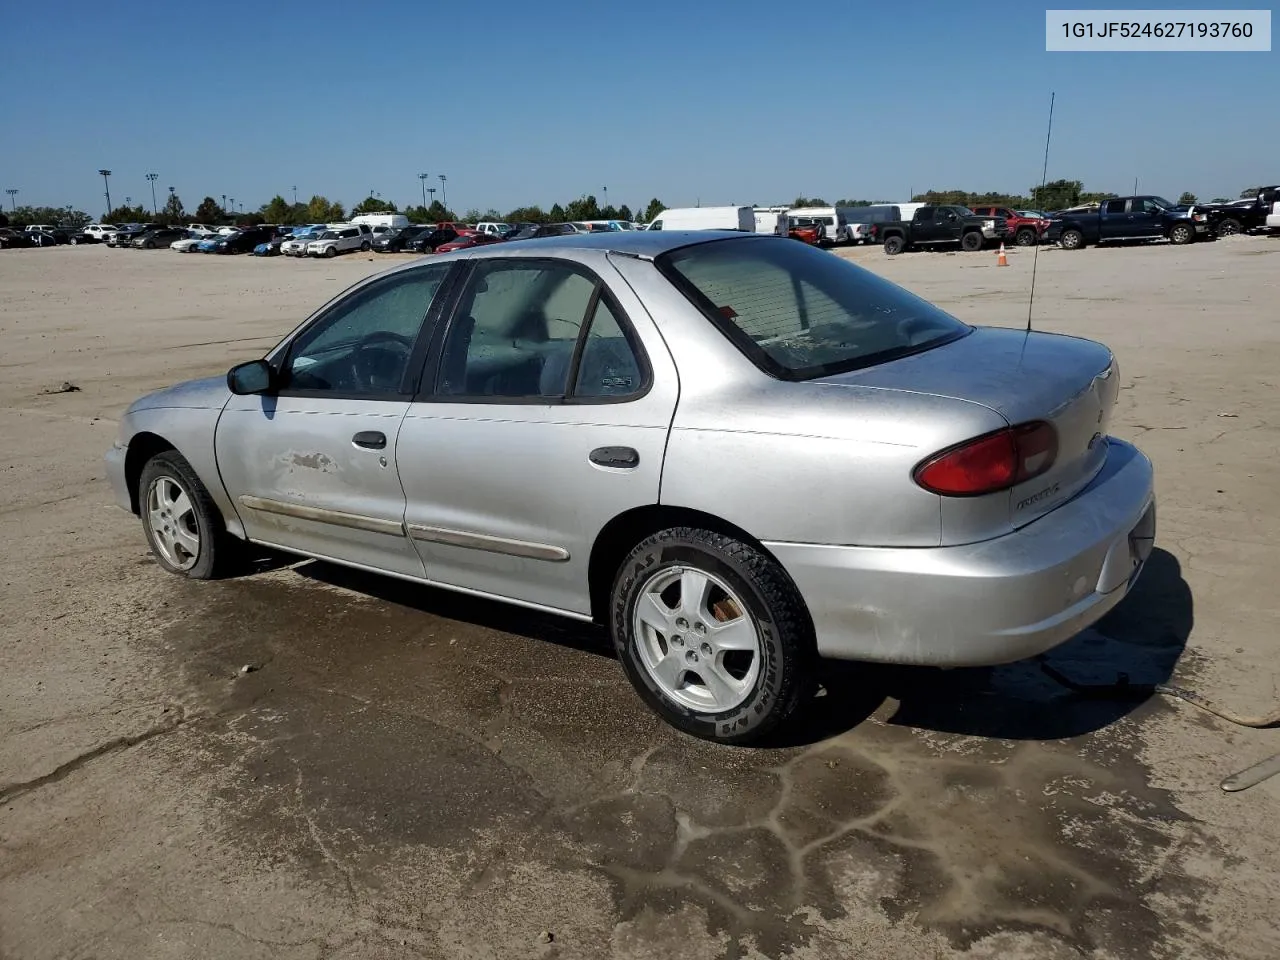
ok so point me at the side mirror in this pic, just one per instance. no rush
(256, 376)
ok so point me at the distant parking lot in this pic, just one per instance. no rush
(308, 762)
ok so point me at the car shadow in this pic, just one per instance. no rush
(1139, 641)
(475, 611)
(1138, 644)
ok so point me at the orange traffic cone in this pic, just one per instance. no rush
(1002, 260)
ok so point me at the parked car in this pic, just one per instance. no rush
(923, 491)
(555, 230)
(99, 231)
(940, 226)
(429, 241)
(342, 240)
(189, 243)
(160, 237)
(395, 241)
(295, 245)
(1127, 218)
(271, 247)
(805, 229)
(243, 241)
(125, 236)
(493, 228)
(209, 244)
(202, 229)
(770, 220)
(706, 218)
(467, 241)
(11, 238)
(1025, 231)
(40, 228)
(1240, 216)
(41, 238)
(387, 221)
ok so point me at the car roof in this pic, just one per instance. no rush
(639, 243)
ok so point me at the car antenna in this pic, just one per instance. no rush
(1044, 178)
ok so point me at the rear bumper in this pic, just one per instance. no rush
(984, 603)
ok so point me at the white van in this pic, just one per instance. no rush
(386, 220)
(771, 220)
(706, 218)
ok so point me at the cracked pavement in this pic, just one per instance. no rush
(410, 773)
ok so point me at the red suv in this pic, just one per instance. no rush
(1025, 231)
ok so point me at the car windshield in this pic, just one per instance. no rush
(800, 313)
(328, 235)
(1161, 201)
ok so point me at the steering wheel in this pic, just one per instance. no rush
(364, 368)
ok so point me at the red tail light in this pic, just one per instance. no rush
(986, 464)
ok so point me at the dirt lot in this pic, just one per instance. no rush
(411, 774)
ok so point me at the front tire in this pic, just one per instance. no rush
(1025, 238)
(183, 526)
(971, 242)
(1229, 228)
(712, 634)
(331, 252)
(366, 246)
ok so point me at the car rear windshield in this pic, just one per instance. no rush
(798, 312)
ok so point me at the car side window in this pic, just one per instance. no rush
(514, 332)
(608, 366)
(656, 225)
(1150, 206)
(1115, 206)
(361, 347)
(924, 215)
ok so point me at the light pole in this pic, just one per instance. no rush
(233, 208)
(153, 177)
(106, 187)
(295, 195)
(128, 201)
(606, 197)
(13, 192)
(432, 191)
(171, 205)
(423, 178)
(224, 204)
(444, 192)
(242, 206)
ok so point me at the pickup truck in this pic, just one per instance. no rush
(1127, 218)
(932, 226)
(1026, 231)
(1228, 219)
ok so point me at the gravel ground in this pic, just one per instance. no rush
(408, 773)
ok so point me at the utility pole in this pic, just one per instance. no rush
(106, 187)
(13, 192)
(295, 195)
(153, 177)
(1135, 186)
(444, 193)
(432, 191)
(423, 178)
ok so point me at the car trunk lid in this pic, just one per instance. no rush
(1068, 382)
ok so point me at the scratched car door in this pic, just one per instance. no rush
(312, 467)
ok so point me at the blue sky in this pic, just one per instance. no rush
(717, 101)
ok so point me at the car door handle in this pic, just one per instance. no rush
(625, 457)
(370, 439)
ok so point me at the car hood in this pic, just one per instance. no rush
(209, 393)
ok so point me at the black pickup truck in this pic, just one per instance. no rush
(933, 226)
(1228, 219)
(1128, 218)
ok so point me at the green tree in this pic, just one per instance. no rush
(855, 203)
(1057, 195)
(54, 216)
(556, 213)
(809, 202)
(209, 211)
(277, 210)
(624, 212)
(653, 210)
(584, 208)
(172, 211)
(373, 205)
(1187, 197)
(473, 216)
(320, 210)
(534, 214)
(136, 214)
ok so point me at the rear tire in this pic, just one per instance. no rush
(366, 246)
(1181, 233)
(182, 524)
(1229, 228)
(1071, 240)
(894, 245)
(1026, 237)
(712, 634)
(972, 241)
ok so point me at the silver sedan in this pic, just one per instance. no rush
(738, 452)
